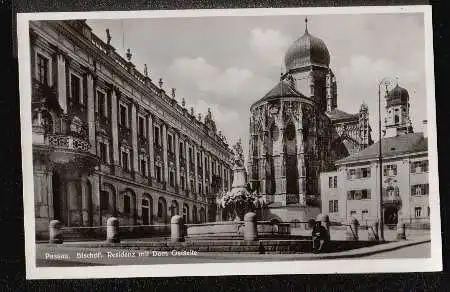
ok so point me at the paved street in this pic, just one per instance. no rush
(415, 251)
(79, 256)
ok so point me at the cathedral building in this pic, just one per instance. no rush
(108, 141)
(297, 132)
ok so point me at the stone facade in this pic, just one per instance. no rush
(297, 131)
(108, 142)
(346, 194)
(353, 190)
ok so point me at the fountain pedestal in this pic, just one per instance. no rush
(236, 203)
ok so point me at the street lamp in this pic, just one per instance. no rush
(386, 82)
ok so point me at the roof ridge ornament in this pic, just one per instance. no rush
(306, 24)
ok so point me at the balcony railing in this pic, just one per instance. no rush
(391, 199)
(69, 142)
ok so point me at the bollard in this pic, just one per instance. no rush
(54, 231)
(250, 228)
(401, 231)
(112, 230)
(373, 231)
(352, 230)
(176, 229)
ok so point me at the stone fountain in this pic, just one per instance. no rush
(232, 207)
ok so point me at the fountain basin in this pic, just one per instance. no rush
(235, 230)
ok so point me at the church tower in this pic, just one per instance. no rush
(307, 69)
(397, 121)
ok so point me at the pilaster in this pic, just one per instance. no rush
(114, 128)
(134, 142)
(164, 144)
(195, 168)
(150, 147)
(91, 112)
(177, 159)
(188, 167)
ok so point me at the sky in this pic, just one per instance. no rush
(228, 62)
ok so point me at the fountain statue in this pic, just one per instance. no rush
(241, 199)
(232, 207)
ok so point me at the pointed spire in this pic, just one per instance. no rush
(306, 24)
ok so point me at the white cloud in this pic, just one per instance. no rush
(270, 45)
(229, 83)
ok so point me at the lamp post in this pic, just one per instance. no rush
(386, 82)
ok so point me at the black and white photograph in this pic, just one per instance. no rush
(227, 142)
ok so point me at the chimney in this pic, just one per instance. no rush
(425, 128)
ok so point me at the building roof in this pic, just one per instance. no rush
(281, 89)
(390, 147)
(307, 50)
(397, 96)
(336, 114)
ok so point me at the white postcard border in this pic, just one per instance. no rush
(434, 263)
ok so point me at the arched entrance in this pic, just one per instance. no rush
(185, 213)
(202, 215)
(390, 214)
(146, 209)
(194, 214)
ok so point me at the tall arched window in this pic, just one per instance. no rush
(146, 208)
(194, 214)
(185, 213)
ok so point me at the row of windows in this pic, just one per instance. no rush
(146, 207)
(126, 165)
(357, 173)
(102, 110)
(363, 194)
(388, 170)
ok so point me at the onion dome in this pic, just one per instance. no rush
(397, 96)
(305, 51)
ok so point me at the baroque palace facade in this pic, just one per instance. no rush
(297, 132)
(109, 142)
